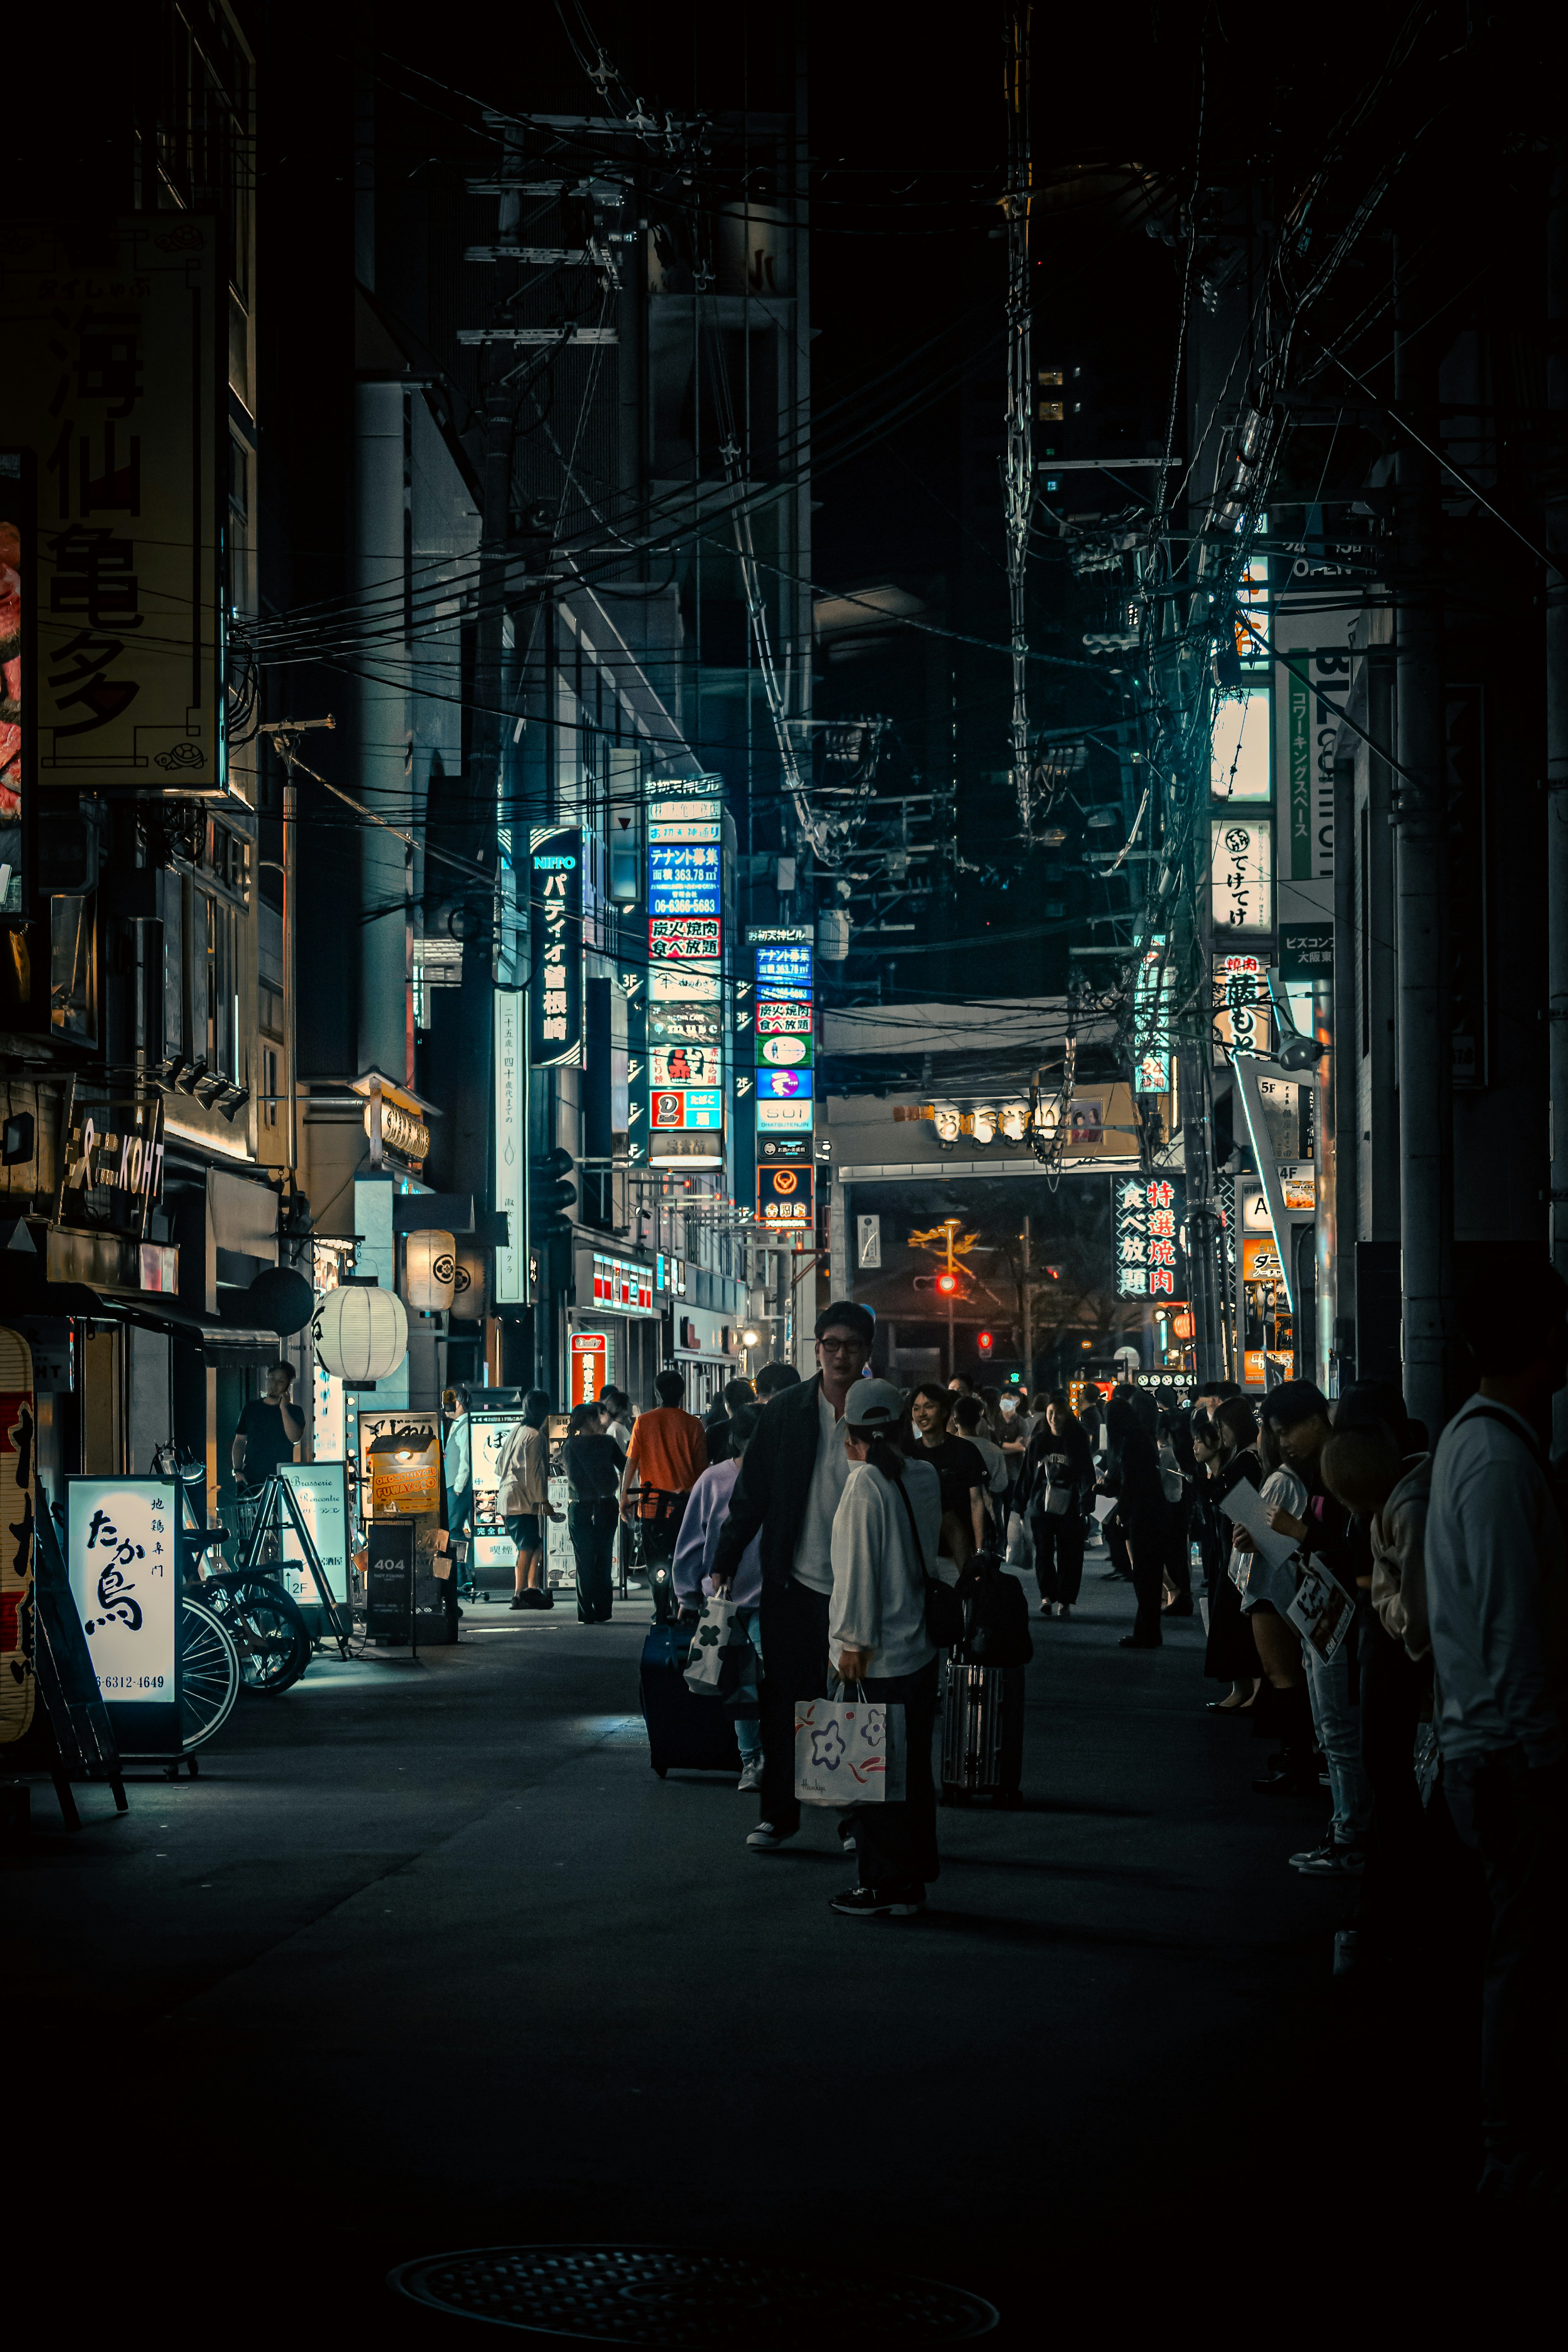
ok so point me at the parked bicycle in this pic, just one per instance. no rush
(268, 1630)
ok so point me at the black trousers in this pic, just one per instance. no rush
(1145, 1539)
(1178, 1567)
(660, 1532)
(1058, 1554)
(591, 1527)
(1517, 1818)
(795, 1666)
(1393, 1687)
(896, 1844)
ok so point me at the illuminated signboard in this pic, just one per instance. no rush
(1151, 1237)
(555, 993)
(674, 984)
(690, 1107)
(16, 695)
(1241, 877)
(1242, 1005)
(622, 1285)
(590, 1359)
(685, 1024)
(684, 1065)
(510, 1103)
(782, 1148)
(121, 1549)
(788, 966)
(1153, 990)
(792, 1053)
(1240, 748)
(673, 939)
(684, 880)
(783, 1016)
(784, 1086)
(784, 1118)
(783, 1197)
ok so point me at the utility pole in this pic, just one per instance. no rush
(1425, 1044)
(1028, 1312)
(1019, 464)
(1557, 739)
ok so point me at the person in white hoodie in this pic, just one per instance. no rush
(886, 1530)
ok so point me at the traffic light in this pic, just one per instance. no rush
(986, 1341)
(947, 1284)
(549, 1195)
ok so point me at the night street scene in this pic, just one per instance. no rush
(783, 1016)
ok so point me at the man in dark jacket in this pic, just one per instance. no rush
(791, 1476)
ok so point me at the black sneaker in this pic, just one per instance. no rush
(879, 1901)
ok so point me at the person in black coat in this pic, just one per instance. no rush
(592, 1461)
(792, 1475)
(1132, 1475)
(1231, 1653)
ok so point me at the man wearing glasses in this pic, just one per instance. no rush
(791, 1476)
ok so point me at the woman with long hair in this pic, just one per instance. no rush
(885, 1533)
(1231, 1654)
(1060, 1476)
(959, 1466)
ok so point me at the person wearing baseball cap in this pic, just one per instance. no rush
(885, 1535)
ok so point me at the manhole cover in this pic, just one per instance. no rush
(656, 2295)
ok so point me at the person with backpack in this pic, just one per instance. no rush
(1496, 1610)
(885, 1534)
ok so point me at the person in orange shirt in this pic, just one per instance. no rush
(668, 1454)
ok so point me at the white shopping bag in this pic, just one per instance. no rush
(719, 1651)
(848, 1752)
(1020, 1543)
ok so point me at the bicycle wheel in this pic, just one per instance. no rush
(209, 1675)
(269, 1633)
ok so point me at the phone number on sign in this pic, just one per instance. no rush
(130, 1682)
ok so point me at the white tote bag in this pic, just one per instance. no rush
(848, 1751)
(711, 1668)
(1020, 1543)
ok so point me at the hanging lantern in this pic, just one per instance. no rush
(431, 1272)
(362, 1333)
(1015, 1121)
(469, 1285)
(983, 1125)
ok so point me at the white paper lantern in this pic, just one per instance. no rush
(432, 1272)
(362, 1332)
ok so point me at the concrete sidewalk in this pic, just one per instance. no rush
(427, 1958)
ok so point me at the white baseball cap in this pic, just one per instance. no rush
(874, 1404)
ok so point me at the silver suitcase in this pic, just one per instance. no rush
(981, 1733)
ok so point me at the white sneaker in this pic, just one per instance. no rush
(764, 1838)
(750, 1775)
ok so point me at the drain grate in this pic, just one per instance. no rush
(666, 2295)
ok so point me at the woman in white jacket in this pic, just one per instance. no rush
(885, 1536)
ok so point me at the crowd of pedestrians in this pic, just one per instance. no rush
(1389, 1618)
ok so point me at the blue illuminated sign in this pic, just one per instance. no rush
(684, 878)
(784, 1086)
(787, 964)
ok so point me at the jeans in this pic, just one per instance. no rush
(745, 1709)
(1058, 1554)
(1516, 1815)
(896, 1844)
(795, 1666)
(591, 1527)
(1337, 1727)
(1398, 1881)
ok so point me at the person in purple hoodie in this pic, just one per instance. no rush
(691, 1571)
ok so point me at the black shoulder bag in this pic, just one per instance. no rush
(944, 1609)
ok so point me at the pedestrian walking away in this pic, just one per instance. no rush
(668, 1454)
(1132, 1475)
(883, 1533)
(592, 1461)
(693, 1570)
(791, 1476)
(522, 1483)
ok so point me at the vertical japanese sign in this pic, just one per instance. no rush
(1316, 681)
(1153, 992)
(1151, 1237)
(16, 602)
(113, 381)
(1241, 875)
(511, 1106)
(19, 1472)
(555, 896)
(119, 1538)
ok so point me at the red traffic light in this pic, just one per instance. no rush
(986, 1341)
(947, 1284)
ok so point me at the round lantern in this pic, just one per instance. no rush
(431, 1273)
(362, 1333)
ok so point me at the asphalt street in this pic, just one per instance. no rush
(427, 1958)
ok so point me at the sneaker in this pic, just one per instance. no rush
(765, 1837)
(1311, 1856)
(1045, 1608)
(879, 1901)
(750, 1774)
(1335, 1861)
(846, 1836)
(1063, 1608)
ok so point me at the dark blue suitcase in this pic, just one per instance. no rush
(694, 1735)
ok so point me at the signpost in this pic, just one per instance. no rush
(120, 1552)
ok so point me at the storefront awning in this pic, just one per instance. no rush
(46, 1283)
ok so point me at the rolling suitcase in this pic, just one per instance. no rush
(981, 1733)
(695, 1735)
